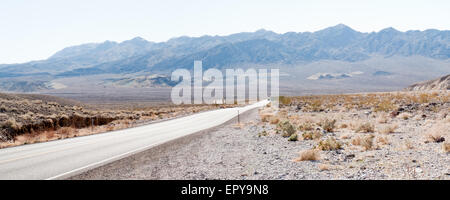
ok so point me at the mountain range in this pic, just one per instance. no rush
(339, 44)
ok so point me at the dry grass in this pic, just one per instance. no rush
(388, 128)
(286, 128)
(346, 136)
(407, 145)
(328, 125)
(324, 167)
(383, 140)
(293, 137)
(364, 141)
(404, 116)
(365, 127)
(446, 147)
(437, 132)
(311, 135)
(382, 118)
(330, 144)
(308, 155)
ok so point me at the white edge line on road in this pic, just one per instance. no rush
(99, 163)
(103, 161)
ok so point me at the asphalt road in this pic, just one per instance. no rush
(64, 158)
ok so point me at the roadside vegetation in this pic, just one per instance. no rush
(357, 124)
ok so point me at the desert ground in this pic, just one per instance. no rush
(396, 135)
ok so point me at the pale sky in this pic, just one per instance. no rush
(36, 29)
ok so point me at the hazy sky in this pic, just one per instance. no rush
(35, 29)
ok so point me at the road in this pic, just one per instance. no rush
(64, 158)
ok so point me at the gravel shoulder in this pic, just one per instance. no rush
(240, 152)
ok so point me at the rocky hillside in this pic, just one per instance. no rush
(442, 83)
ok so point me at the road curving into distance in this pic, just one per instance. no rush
(64, 158)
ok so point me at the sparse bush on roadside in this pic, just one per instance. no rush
(343, 125)
(306, 127)
(388, 128)
(365, 127)
(384, 106)
(286, 128)
(404, 116)
(12, 124)
(308, 155)
(446, 147)
(424, 98)
(293, 137)
(311, 135)
(436, 133)
(274, 120)
(266, 116)
(328, 125)
(285, 100)
(382, 118)
(364, 141)
(324, 167)
(329, 144)
(316, 105)
(263, 133)
(383, 140)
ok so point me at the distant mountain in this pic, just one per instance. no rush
(331, 59)
(340, 43)
(142, 81)
(382, 73)
(442, 83)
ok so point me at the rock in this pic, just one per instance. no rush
(349, 157)
(394, 113)
(419, 170)
(441, 139)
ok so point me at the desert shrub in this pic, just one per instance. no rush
(286, 128)
(12, 124)
(365, 127)
(316, 105)
(388, 128)
(404, 116)
(382, 118)
(274, 120)
(382, 140)
(65, 130)
(306, 127)
(3, 108)
(365, 141)
(343, 125)
(311, 135)
(424, 98)
(328, 125)
(329, 144)
(285, 100)
(293, 137)
(308, 155)
(436, 133)
(263, 133)
(446, 147)
(265, 117)
(384, 106)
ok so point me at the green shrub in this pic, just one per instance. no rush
(329, 144)
(311, 135)
(286, 128)
(328, 125)
(293, 137)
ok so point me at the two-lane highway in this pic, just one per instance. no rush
(63, 158)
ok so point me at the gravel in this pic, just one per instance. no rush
(237, 152)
